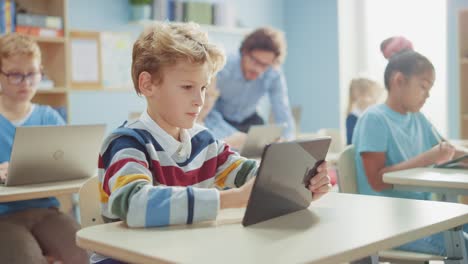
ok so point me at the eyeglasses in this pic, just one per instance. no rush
(17, 78)
(257, 62)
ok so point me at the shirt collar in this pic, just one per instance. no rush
(236, 70)
(179, 151)
(396, 115)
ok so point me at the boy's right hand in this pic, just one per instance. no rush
(441, 153)
(237, 197)
(3, 171)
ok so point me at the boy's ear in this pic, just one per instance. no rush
(145, 84)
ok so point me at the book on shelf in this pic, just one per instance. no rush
(217, 12)
(7, 16)
(198, 12)
(224, 14)
(39, 32)
(42, 21)
(159, 10)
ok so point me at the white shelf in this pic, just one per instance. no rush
(208, 28)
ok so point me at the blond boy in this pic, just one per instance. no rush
(32, 231)
(164, 169)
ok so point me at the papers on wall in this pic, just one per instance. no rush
(116, 57)
(84, 59)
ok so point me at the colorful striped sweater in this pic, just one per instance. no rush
(147, 178)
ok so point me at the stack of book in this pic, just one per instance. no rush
(39, 25)
(7, 16)
(218, 13)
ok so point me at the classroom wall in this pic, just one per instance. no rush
(312, 67)
(453, 73)
(113, 15)
(352, 49)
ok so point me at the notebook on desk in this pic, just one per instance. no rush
(283, 177)
(54, 153)
(258, 137)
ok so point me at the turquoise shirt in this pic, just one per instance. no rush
(400, 136)
(40, 116)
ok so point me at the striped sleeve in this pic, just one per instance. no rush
(128, 191)
(233, 170)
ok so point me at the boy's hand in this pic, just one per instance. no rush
(238, 197)
(441, 153)
(3, 171)
(320, 183)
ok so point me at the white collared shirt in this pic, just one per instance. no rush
(179, 150)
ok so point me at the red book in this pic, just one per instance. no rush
(40, 32)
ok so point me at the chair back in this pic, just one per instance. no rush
(347, 175)
(90, 211)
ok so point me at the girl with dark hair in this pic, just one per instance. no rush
(397, 136)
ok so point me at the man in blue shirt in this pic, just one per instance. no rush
(248, 76)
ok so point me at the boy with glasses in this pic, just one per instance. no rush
(31, 229)
(248, 76)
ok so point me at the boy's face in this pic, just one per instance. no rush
(20, 75)
(177, 100)
(211, 95)
(416, 91)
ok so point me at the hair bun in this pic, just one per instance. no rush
(394, 45)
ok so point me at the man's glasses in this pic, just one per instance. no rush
(258, 63)
(17, 78)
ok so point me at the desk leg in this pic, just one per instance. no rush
(374, 259)
(455, 245)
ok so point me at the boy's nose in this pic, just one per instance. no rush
(199, 99)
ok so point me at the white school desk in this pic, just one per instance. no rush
(42, 190)
(451, 182)
(459, 142)
(337, 228)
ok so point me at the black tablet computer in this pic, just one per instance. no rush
(281, 184)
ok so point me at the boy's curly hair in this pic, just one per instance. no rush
(17, 44)
(164, 44)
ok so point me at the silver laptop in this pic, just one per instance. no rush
(258, 137)
(54, 153)
(281, 184)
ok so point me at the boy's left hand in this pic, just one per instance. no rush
(320, 183)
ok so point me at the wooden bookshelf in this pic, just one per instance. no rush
(463, 58)
(54, 52)
(49, 39)
(55, 90)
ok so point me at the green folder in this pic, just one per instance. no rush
(198, 12)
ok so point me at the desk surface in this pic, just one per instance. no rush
(335, 229)
(429, 177)
(34, 191)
